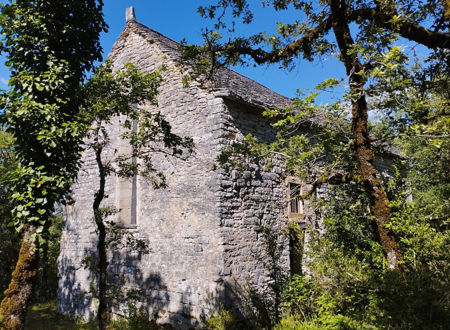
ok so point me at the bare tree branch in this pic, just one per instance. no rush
(404, 27)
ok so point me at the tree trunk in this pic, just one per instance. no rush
(44, 285)
(102, 313)
(18, 295)
(369, 174)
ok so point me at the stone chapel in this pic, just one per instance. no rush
(204, 229)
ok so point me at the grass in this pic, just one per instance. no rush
(44, 317)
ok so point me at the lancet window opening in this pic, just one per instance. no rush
(126, 188)
(134, 186)
(295, 198)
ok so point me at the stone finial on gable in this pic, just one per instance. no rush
(129, 15)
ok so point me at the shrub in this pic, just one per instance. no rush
(224, 320)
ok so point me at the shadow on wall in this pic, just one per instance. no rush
(147, 292)
(127, 285)
(134, 280)
(250, 121)
(155, 299)
(73, 298)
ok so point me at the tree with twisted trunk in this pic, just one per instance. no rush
(109, 95)
(362, 30)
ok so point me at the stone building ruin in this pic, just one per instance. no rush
(204, 229)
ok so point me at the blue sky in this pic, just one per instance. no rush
(178, 19)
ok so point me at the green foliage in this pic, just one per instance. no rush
(119, 96)
(48, 241)
(136, 319)
(49, 46)
(224, 320)
(47, 284)
(348, 283)
(294, 322)
(300, 296)
(110, 94)
(347, 279)
(9, 240)
(416, 120)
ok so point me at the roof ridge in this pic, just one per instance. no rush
(141, 26)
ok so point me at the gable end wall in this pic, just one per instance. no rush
(204, 230)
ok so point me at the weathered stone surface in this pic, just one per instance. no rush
(204, 230)
(129, 15)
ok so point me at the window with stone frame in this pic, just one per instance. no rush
(295, 192)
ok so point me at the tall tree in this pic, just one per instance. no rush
(362, 30)
(50, 45)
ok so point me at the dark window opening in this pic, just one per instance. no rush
(296, 247)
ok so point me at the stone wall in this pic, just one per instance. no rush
(179, 223)
(204, 230)
(252, 200)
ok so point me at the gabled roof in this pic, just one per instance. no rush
(231, 85)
